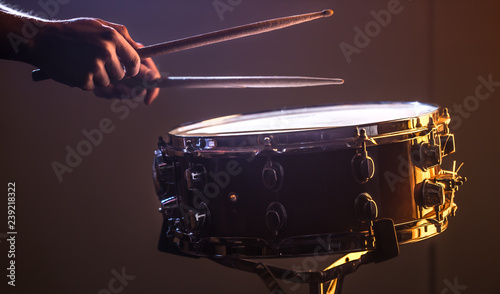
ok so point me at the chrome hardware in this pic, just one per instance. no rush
(430, 155)
(164, 170)
(431, 125)
(210, 143)
(169, 206)
(445, 115)
(195, 176)
(447, 143)
(360, 137)
(445, 119)
(196, 219)
(267, 142)
(418, 124)
(454, 208)
(450, 180)
(433, 194)
(276, 217)
(427, 155)
(269, 177)
(272, 175)
(362, 165)
(365, 208)
(188, 143)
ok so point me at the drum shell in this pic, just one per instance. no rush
(318, 191)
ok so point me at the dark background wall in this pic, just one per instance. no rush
(102, 216)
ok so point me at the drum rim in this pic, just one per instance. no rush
(301, 246)
(171, 131)
(304, 140)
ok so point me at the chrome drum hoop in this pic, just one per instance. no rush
(305, 139)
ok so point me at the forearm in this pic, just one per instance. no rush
(17, 34)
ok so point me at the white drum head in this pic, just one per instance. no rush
(309, 118)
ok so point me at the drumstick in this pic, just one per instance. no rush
(216, 37)
(230, 34)
(235, 82)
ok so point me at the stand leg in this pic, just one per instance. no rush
(268, 279)
(332, 288)
(335, 286)
(316, 288)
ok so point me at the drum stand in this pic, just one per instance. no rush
(386, 248)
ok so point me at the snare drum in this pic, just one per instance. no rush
(302, 181)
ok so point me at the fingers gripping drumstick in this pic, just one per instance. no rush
(217, 36)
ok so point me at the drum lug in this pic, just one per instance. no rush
(276, 217)
(454, 208)
(429, 154)
(169, 206)
(433, 194)
(164, 171)
(194, 176)
(365, 208)
(447, 143)
(272, 175)
(445, 118)
(362, 165)
(188, 143)
(197, 219)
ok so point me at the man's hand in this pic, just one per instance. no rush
(87, 53)
(147, 72)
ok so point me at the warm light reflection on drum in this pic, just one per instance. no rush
(300, 181)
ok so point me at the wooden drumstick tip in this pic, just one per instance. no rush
(327, 12)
